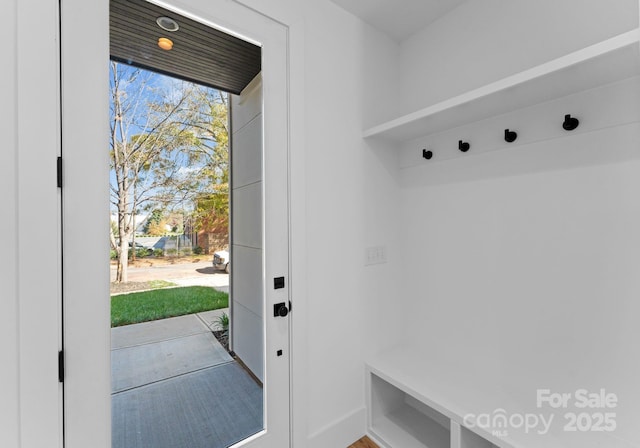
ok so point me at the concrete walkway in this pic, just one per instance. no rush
(145, 353)
(174, 385)
(202, 270)
(219, 282)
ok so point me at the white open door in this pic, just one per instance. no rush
(247, 285)
(85, 108)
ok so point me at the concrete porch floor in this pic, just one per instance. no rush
(173, 385)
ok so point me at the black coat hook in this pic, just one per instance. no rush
(427, 154)
(463, 146)
(570, 123)
(510, 136)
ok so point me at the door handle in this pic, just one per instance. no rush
(280, 310)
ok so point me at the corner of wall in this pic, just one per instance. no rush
(381, 77)
(341, 432)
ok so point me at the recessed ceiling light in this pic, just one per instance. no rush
(165, 44)
(167, 24)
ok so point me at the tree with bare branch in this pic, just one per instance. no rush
(148, 147)
(169, 146)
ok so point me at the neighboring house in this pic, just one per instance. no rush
(212, 222)
(139, 221)
(211, 241)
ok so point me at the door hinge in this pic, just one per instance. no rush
(59, 165)
(61, 366)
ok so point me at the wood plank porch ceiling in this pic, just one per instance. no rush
(200, 54)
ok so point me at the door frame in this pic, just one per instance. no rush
(32, 413)
(87, 392)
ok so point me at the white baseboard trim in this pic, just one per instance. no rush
(342, 432)
(377, 441)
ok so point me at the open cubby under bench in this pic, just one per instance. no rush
(414, 403)
(417, 399)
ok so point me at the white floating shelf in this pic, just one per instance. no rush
(606, 62)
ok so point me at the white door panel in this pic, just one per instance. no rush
(247, 279)
(248, 341)
(248, 291)
(246, 167)
(246, 203)
(250, 105)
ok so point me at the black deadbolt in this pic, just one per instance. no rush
(280, 310)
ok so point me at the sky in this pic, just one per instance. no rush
(146, 86)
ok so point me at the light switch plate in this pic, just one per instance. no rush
(375, 255)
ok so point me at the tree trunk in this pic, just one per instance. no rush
(124, 260)
(133, 224)
(133, 243)
(124, 232)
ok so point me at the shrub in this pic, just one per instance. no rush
(171, 252)
(141, 253)
(198, 250)
(158, 252)
(222, 332)
(113, 254)
(222, 322)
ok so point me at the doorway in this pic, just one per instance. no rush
(86, 341)
(175, 380)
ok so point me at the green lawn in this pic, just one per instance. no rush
(153, 305)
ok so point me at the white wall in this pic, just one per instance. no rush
(334, 213)
(482, 42)
(521, 264)
(530, 279)
(382, 316)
